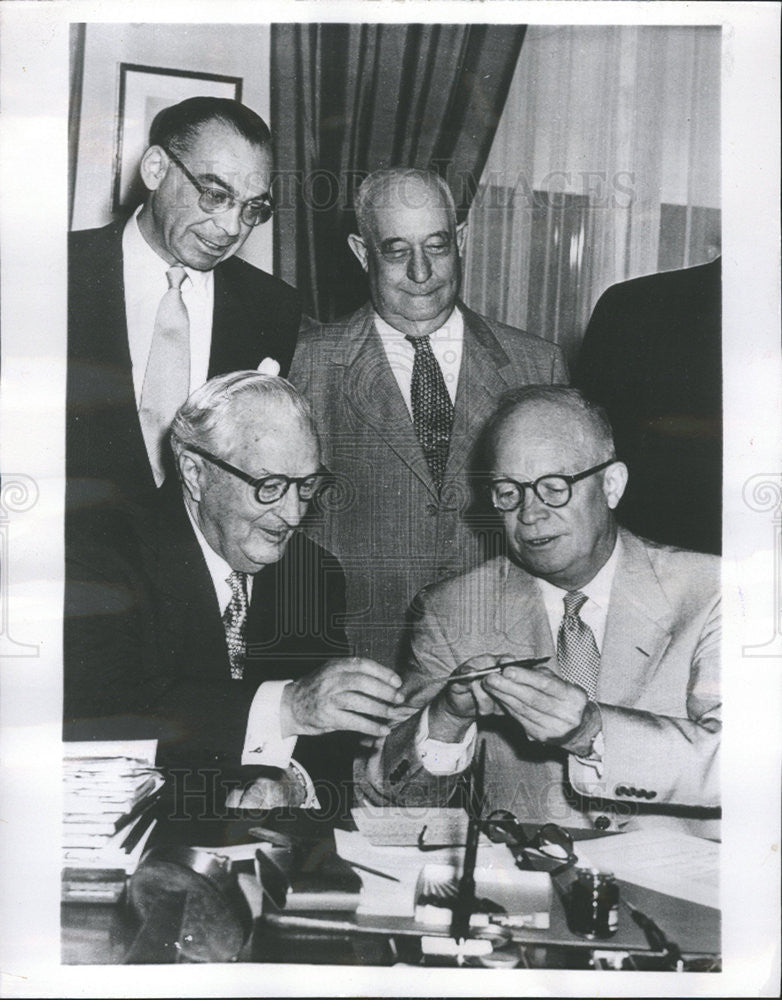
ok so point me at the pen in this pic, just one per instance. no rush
(372, 871)
(475, 674)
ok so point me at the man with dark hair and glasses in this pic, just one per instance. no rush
(209, 622)
(619, 726)
(160, 302)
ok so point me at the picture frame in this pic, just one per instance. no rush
(143, 92)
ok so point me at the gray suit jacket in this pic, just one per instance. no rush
(658, 693)
(387, 525)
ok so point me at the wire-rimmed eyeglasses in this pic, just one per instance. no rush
(213, 200)
(549, 850)
(271, 488)
(552, 490)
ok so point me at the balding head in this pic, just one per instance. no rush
(409, 245)
(554, 432)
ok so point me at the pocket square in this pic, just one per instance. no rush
(269, 367)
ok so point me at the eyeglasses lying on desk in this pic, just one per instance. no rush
(549, 850)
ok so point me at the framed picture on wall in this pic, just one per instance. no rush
(143, 91)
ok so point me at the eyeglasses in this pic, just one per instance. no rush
(549, 850)
(268, 489)
(554, 491)
(213, 200)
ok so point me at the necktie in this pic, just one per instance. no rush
(167, 376)
(235, 623)
(577, 653)
(432, 408)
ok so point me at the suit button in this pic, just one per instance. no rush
(602, 823)
(632, 791)
(432, 508)
(651, 795)
(620, 790)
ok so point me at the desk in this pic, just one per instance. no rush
(97, 934)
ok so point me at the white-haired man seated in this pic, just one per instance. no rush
(209, 622)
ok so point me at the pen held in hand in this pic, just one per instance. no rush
(485, 671)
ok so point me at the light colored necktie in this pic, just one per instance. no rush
(577, 652)
(432, 408)
(235, 623)
(167, 376)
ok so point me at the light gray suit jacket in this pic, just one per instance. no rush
(658, 693)
(388, 527)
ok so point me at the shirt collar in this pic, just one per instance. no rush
(140, 259)
(452, 328)
(219, 569)
(598, 590)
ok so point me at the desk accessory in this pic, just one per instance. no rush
(191, 907)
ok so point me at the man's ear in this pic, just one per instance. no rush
(191, 471)
(154, 167)
(614, 483)
(359, 248)
(461, 236)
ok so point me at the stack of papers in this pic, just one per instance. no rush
(677, 864)
(109, 788)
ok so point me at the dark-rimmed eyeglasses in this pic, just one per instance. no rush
(268, 489)
(550, 849)
(214, 200)
(552, 490)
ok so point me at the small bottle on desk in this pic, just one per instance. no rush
(593, 909)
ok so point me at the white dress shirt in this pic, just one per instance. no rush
(263, 741)
(144, 275)
(449, 758)
(447, 343)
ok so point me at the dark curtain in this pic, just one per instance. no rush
(76, 51)
(348, 99)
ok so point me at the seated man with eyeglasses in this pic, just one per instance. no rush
(621, 726)
(160, 301)
(212, 624)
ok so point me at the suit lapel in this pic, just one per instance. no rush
(486, 372)
(236, 339)
(373, 393)
(187, 595)
(521, 615)
(638, 627)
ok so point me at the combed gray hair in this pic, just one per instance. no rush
(205, 418)
(376, 189)
(592, 417)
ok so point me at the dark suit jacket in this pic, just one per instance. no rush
(388, 526)
(658, 692)
(255, 316)
(652, 356)
(145, 649)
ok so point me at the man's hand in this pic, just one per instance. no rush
(549, 708)
(352, 694)
(458, 705)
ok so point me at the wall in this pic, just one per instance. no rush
(228, 49)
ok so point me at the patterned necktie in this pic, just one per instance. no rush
(432, 408)
(167, 376)
(235, 623)
(577, 653)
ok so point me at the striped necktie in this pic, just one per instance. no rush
(235, 624)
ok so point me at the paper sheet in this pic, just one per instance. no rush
(667, 861)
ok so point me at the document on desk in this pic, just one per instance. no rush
(404, 825)
(677, 864)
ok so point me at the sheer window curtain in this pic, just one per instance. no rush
(605, 165)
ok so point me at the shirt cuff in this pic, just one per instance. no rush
(443, 758)
(263, 741)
